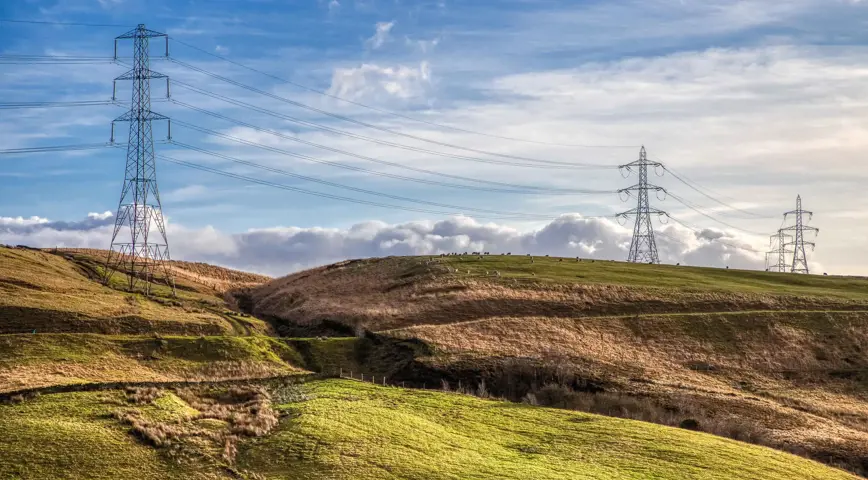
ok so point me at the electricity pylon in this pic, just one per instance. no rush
(800, 260)
(779, 253)
(139, 208)
(643, 247)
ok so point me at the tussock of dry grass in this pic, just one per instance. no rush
(239, 412)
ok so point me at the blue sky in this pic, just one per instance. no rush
(757, 101)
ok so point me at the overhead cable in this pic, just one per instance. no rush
(390, 112)
(370, 125)
(357, 189)
(321, 194)
(345, 133)
(514, 188)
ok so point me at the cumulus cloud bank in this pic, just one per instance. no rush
(281, 250)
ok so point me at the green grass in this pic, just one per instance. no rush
(72, 436)
(669, 276)
(46, 359)
(351, 430)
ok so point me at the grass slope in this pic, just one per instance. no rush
(569, 270)
(350, 430)
(49, 292)
(776, 358)
(29, 361)
(73, 436)
(395, 292)
(361, 431)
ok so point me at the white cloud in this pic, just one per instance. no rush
(21, 221)
(381, 35)
(373, 82)
(334, 5)
(221, 49)
(280, 250)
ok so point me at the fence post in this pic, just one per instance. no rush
(384, 380)
(341, 372)
(363, 377)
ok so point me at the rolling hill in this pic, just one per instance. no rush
(97, 382)
(772, 358)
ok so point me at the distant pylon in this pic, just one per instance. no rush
(643, 247)
(779, 253)
(139, 208)
(800, 260)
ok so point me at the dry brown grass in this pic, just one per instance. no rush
(224, 416)
(778, 379)
(382, 294)
(219, 279)
(44, 292)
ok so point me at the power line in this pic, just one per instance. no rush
(75, 103)
(389, 112)
(55, 148)
(357, 189)
(698, 231)
(693, 186)
(366, 124)
(325, 195)
(76, 24)
(563, 166)
(514, 188)
(698, 210)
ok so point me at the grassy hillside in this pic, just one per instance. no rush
(770, 358)
(380, 294)
(349, 430)
(46, 292)
(28, 361)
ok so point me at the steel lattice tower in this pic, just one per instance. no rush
(779, 242)
(800, 259)
(643, 248)
(133, 248)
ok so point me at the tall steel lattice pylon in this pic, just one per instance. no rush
(643, 247)
(778, 242)
(800, 259)
(133, 249)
